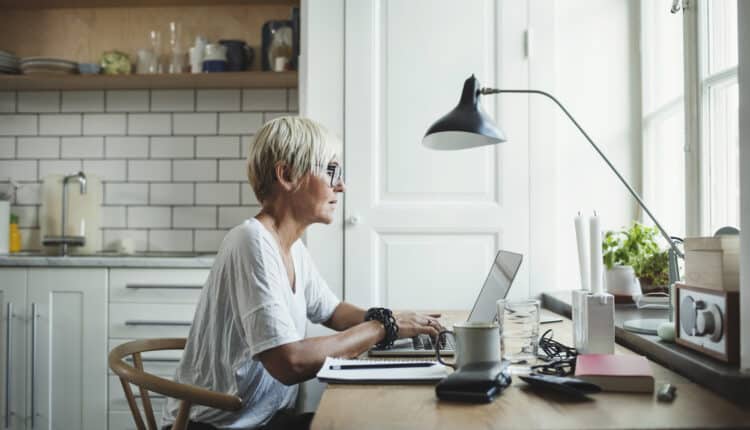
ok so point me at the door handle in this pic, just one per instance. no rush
(163, 287)
(33, 361)
(8, 359)
(354, 220)
(158, 323)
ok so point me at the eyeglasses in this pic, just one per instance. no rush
(336, 173)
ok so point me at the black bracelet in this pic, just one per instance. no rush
(385, 317)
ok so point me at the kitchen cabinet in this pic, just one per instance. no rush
(57, 375)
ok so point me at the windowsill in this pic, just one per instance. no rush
(724, 379)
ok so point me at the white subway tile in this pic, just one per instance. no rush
(30, 239)
(126, 194)
(172, 194)
(172, 100)
(217, 147)
(61, 125)
(149, 123)
(7, 147)
(293, 100)
(172, 147)
(248, 195)
(113, 216)
(82, 147)
(194, 170)
(209, 240)
(239, 123)
(232, 216)
(7, 101)
(106, 170)
(28, 193)
(126, 147)
(112, 239)
(170, 240)
(264, 100)
(194, 123)
(192, 217)
(233, 170)
(28, 216)
(218, 100)
(217, 194)
(267, 116)
(127, 101)
(18, 125)
(149, 170)
(245, 142)
(149, 217)
(58, 167)
(83, 101)
(39, 101)
(19, 170)
(104, 124)
(38, 147)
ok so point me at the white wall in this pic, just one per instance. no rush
(596, 64)
(744, 80)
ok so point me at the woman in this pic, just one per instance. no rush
(248, 334)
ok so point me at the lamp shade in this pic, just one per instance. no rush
(466, 126)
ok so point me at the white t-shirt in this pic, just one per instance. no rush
(246, 307)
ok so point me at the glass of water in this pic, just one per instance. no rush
(519, 330)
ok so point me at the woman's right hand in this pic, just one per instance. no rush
(411, 324)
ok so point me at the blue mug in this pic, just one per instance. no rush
(214, 66)
(239, 55)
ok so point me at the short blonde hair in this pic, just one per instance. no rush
(302, 144)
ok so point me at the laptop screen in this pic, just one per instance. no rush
(496, 287)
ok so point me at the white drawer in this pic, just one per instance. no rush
(156, 285)
(141, 321)
(117, 401)
(162, 363)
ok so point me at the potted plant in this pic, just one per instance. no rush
(633, 257)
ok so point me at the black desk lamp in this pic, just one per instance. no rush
(467, 126)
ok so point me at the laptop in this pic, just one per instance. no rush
(502, 273)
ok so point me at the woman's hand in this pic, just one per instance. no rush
(411, 324)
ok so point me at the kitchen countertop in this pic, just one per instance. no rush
(106, 259)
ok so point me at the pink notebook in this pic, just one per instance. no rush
(613, 372)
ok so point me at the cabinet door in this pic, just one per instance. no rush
(12, 348)
(68, 343)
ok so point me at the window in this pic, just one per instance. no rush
(690, 171)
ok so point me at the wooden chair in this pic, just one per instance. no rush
(187, 394)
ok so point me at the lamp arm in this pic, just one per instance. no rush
(670, 241)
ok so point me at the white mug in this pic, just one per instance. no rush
(621, 281)
(475, 342)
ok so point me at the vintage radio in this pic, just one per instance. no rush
(708, 321)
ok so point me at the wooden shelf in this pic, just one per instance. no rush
(162, 81)
(63, 4)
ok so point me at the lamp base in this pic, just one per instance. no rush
(644, 326)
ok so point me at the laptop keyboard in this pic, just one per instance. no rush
(424, 342)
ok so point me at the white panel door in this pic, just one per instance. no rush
(423, 226)
(12, 348)
(68, 376)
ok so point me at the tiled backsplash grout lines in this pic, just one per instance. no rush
(174, 154)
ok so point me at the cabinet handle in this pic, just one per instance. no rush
(155, 360)
(158, 323)
(33, 362)
(8, 359)
(163, 287)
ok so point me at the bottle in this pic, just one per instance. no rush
(15, 234)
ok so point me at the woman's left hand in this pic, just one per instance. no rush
(411, 324)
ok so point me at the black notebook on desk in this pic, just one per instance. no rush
(475, 382)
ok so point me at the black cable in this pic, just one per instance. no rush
(560, 359)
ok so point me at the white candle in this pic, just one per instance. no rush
(583, 249)
(595, 238)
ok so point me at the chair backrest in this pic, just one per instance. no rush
(187, 394)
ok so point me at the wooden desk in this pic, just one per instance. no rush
(378, 407)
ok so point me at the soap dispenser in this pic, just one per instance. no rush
(15, 234)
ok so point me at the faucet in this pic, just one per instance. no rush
(63, 240)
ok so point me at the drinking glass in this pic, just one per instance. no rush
(519, 330)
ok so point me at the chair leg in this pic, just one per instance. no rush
(133, 406)
(183, 415)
